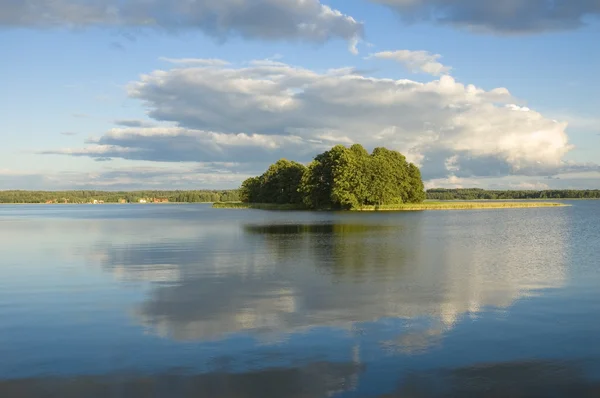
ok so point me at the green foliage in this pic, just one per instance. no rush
(249, 191)
(317, 182)
(279, 184)
(480, 194)
(416, 188)
(361, 175)
(116, 197)
(390, 180)
(341, 178)
(349, 178)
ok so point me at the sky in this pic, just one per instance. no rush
(199, 94)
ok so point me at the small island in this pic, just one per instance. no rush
(349, 179)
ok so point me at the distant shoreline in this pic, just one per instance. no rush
(108, 204)
(454, 204)
(426, 206)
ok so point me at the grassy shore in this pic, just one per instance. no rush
(459, 206)
(400, 207)
(258, 206)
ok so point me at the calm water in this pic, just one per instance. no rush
(188, 301)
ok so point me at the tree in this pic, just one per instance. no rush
(250, 190)
(326, 183)
(279, 184)
(316, 183)
(351, 178)
(416, 189)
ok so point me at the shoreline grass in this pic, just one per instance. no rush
(460, 206)
(400, 207)
(257, 206)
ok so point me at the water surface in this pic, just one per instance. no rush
(189, 301)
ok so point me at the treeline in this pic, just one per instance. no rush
(341, 178)
(118, 197)
(481, 194)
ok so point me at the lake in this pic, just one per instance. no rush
(190, 301)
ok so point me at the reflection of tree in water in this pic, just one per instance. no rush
(287, 294)
(320, 379)
(512, 379)
(339, 248)
(277, 278)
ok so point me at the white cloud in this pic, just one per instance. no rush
(415, 61)
(483, 131)
(353, 45)
(265, 110)
(262, 19)
(505, 17)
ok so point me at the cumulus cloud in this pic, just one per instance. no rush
(266, 110)
(263, 19)
(415, 61)
(505, 17)
(177, 144)
(228, 112)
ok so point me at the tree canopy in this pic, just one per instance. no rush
(279, 184)
(341, 178)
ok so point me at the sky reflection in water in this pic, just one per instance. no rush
(123, 300)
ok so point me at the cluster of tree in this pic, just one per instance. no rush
(279, 184)
(481, 194)
(341, 178)
(116, 197)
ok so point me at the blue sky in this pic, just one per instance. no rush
(177, 94)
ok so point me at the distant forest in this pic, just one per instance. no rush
(234, 196)
(118, 197)
(479, 194)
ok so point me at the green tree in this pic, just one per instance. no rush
(316, 184)
(326, 182)
(250, 190)
(279, 184)
(350, 178)
(416, 189)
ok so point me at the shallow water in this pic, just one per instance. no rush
(185, 300)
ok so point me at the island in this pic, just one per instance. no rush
(349, 179)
